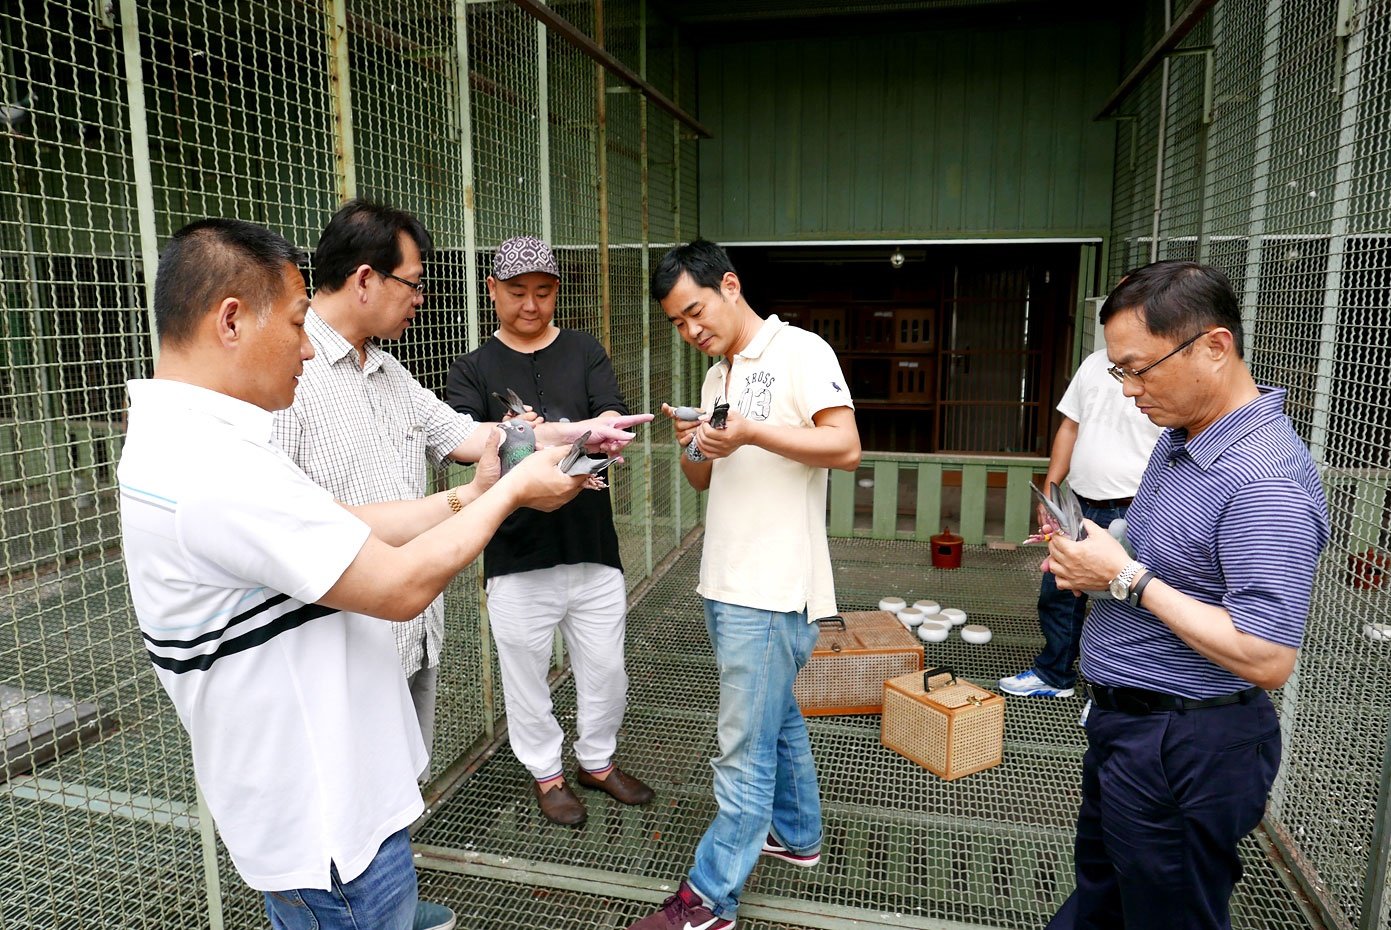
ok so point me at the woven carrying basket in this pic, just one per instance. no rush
(855, 654)
(949, 727)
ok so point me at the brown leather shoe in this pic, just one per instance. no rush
(560, 805)
(618, 785)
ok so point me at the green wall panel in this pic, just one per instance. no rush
(945, 133)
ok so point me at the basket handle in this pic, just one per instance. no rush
(937, 670)
(836, 619)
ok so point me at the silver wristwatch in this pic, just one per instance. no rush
(1120, 585)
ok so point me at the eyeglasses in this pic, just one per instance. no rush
(417, 286)
(1120, 374)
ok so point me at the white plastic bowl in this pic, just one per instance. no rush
(976, 634)
(892, 604)
(928, 608)
(933, 631)
(910, 617)
(1377, 632)
(953, 616)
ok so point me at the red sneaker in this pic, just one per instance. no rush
(771, 847)
(683, 911)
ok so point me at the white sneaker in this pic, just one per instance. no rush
(1028, 684)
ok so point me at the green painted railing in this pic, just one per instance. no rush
(923, 509)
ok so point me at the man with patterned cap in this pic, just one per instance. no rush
(560, 570)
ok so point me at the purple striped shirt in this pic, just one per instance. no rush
(1235, 518)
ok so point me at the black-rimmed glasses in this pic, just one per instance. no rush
(1120, 374)
(417, 286)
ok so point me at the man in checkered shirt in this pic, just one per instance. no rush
(361, 425)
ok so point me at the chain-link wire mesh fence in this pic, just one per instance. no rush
(1275, 131)
(121, 122)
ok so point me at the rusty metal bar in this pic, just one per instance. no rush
(594, 48)
(1158, 53)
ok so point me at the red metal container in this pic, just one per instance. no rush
(946, 549)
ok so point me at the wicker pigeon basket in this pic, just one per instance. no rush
(949, 727)
(855, 654)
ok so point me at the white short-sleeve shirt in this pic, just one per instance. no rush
(304, 737)
(1114, 439)
(765, 521)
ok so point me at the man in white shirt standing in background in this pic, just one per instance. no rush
(1101, 448)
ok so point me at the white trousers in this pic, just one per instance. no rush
(588, 603)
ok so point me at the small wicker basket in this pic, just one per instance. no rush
(949, 727)
(855, 654)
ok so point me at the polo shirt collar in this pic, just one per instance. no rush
(760, 340)
(334, 348)
(1209, 445)
(247, 419)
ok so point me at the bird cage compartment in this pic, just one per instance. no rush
(911, 380)
(832, 325)
(874, 329)
(915, 329)
(951, 728)
(855, 654)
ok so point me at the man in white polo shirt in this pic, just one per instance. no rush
(765, 573)
(257, 593)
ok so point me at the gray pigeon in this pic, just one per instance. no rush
(518, 441)
(578, 461)
(15, 116)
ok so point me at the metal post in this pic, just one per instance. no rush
(471, 304)
(140, 160)
(1163, 141)
(208, 840)
(149, 254)
(601, 158)
(1260, 174)
(643, 302)
(678, 358)
(543, 127)
(1349, 115)
(1374, 888)
(341, 98)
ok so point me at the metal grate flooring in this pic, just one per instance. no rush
(902, 847)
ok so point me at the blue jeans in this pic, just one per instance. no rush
(381, 898)
(1060, 613)
(765, 779)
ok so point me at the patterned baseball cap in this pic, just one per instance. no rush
(521, 255)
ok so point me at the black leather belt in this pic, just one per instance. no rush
(1140, 701)
(1105, 505)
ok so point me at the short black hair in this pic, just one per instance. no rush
(364, 232)
(210, 260)
(705, 262)
(1177, 299)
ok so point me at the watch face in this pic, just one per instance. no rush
(1119, 589)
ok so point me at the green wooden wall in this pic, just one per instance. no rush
(980, 132)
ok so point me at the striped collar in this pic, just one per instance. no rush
(164, 394)
(1208, 446)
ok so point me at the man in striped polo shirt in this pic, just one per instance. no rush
(1227, 527)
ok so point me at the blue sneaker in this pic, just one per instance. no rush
(1028, 684)
(433, 917)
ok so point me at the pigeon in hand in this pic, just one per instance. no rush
(518, 441)
(512, 402)
(578, 461)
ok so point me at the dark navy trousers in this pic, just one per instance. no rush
(1166, 798)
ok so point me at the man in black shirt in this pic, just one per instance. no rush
(560, 569)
